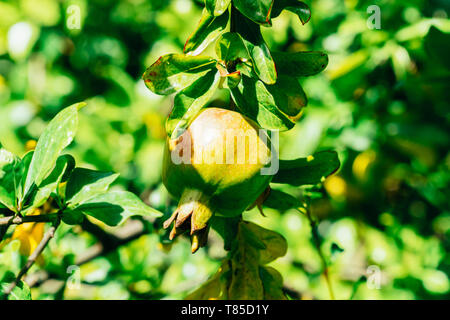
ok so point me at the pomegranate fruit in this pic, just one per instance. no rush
(214, 167)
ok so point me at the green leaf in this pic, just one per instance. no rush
(8, 163)
(84, 184)
(272, 283)
(281, 201)
(257, 49)
(310, 170)
(217, 7)
(20, 176)
(300, 64)
(20, 292)
(257, 10)
(114, 207)
(245, 282)
(189, 102)
(174, 72)
(274, 244)
(300, 8)
(216, 288)
(230, 47)
(208, 30)
(288, 96)
(256, 102)
(58, 135)
(437, 44)
(64, 164)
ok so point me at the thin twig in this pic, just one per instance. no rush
(124, 236)
(316, 240)
(32, 258)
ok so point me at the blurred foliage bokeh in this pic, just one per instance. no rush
(383, 103)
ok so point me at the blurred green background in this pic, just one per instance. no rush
(382, 103)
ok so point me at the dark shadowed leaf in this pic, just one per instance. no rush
(300, 64)
(256, 10)
(437, 44)
(209, 29)
(257, 49)
(310, 170)
(174, 72)
(84, 184)
(300, 8)
(281, 201)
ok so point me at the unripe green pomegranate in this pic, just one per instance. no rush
(214, 167)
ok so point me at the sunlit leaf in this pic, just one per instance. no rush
(255, 101)
(64, 164)
(8, 162)
(58, 135)
(217, 7)
(189, 102)
(257, 49)
(174, 72)
(209, 29)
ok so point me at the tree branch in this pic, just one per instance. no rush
(132, 231)
(7, 221)
(32, 258)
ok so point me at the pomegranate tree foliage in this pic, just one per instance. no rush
(382, 102)
(274, 99)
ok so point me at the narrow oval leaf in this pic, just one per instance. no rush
(257, 49)
(217, 7)
(208, 30)
(230, 47)
(258, 11)
(281, 201)
(84, 184)
(272, 283)
(274, 244)
(114, 207)
(310, 170)
(300, 64)
(58, 135)
(300, 8)
(64, 164)
(189, 102)
(255, 101)
(8, 163)
(174, 72)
